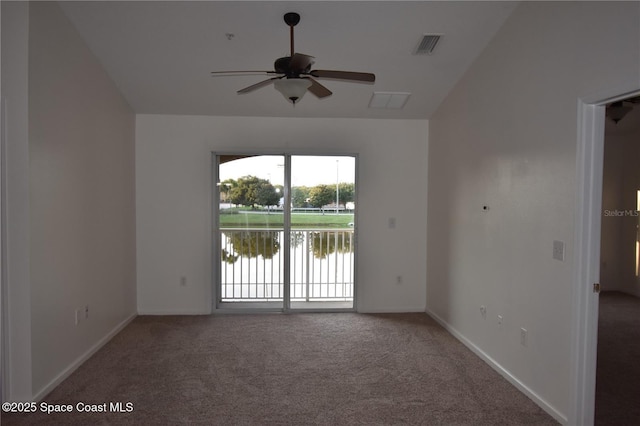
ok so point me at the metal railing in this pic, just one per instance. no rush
(252, 265)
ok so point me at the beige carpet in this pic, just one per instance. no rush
(302, 369)
(618, 372)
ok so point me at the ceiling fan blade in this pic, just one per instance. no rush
(258, 85)
(300, 62)
(344, 75)
(232, 73)
(318, 89)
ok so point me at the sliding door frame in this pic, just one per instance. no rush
(216, 272)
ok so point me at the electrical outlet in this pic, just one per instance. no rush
(483, 311)
(523, 336)
(399, 279)
(392, 223)
(558, 250)
(183, 281)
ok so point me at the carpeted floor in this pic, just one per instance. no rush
(302, 369)
(618, 372)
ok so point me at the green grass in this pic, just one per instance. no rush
(239, 219)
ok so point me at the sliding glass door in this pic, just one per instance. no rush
(322, 232)
(251, 231)
(284, 232)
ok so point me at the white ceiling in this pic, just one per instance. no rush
(160, 53)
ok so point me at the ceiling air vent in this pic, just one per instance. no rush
(427, 44)
(389, 100)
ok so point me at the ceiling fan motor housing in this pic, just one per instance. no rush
(281, 65)
(292, 70)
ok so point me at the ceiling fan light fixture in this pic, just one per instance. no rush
(293, 89)
(617, 110)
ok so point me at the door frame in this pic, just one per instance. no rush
(586, 271)
(215, 251)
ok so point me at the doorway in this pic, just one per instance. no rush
(284, 232)
(618, 348)
(590, 154)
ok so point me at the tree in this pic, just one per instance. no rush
(225, 188)
(299, 196)
(252, 191)
(347, 192)
(321, 195)
(240, 192)
(266, 194)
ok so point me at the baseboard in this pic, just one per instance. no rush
(175, 312)
(392, 310)
(80, 360)
(541, 402)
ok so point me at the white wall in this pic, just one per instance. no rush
(82, 200)
(17, 314)
(506, 137)
(173, 189)
(620, 185)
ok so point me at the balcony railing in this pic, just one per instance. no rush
(252, 265)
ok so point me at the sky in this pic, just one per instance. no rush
(306, 170)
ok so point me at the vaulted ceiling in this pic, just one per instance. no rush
(160, 53)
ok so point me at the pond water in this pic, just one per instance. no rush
(321, 265)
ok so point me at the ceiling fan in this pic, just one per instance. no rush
(293, 74)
